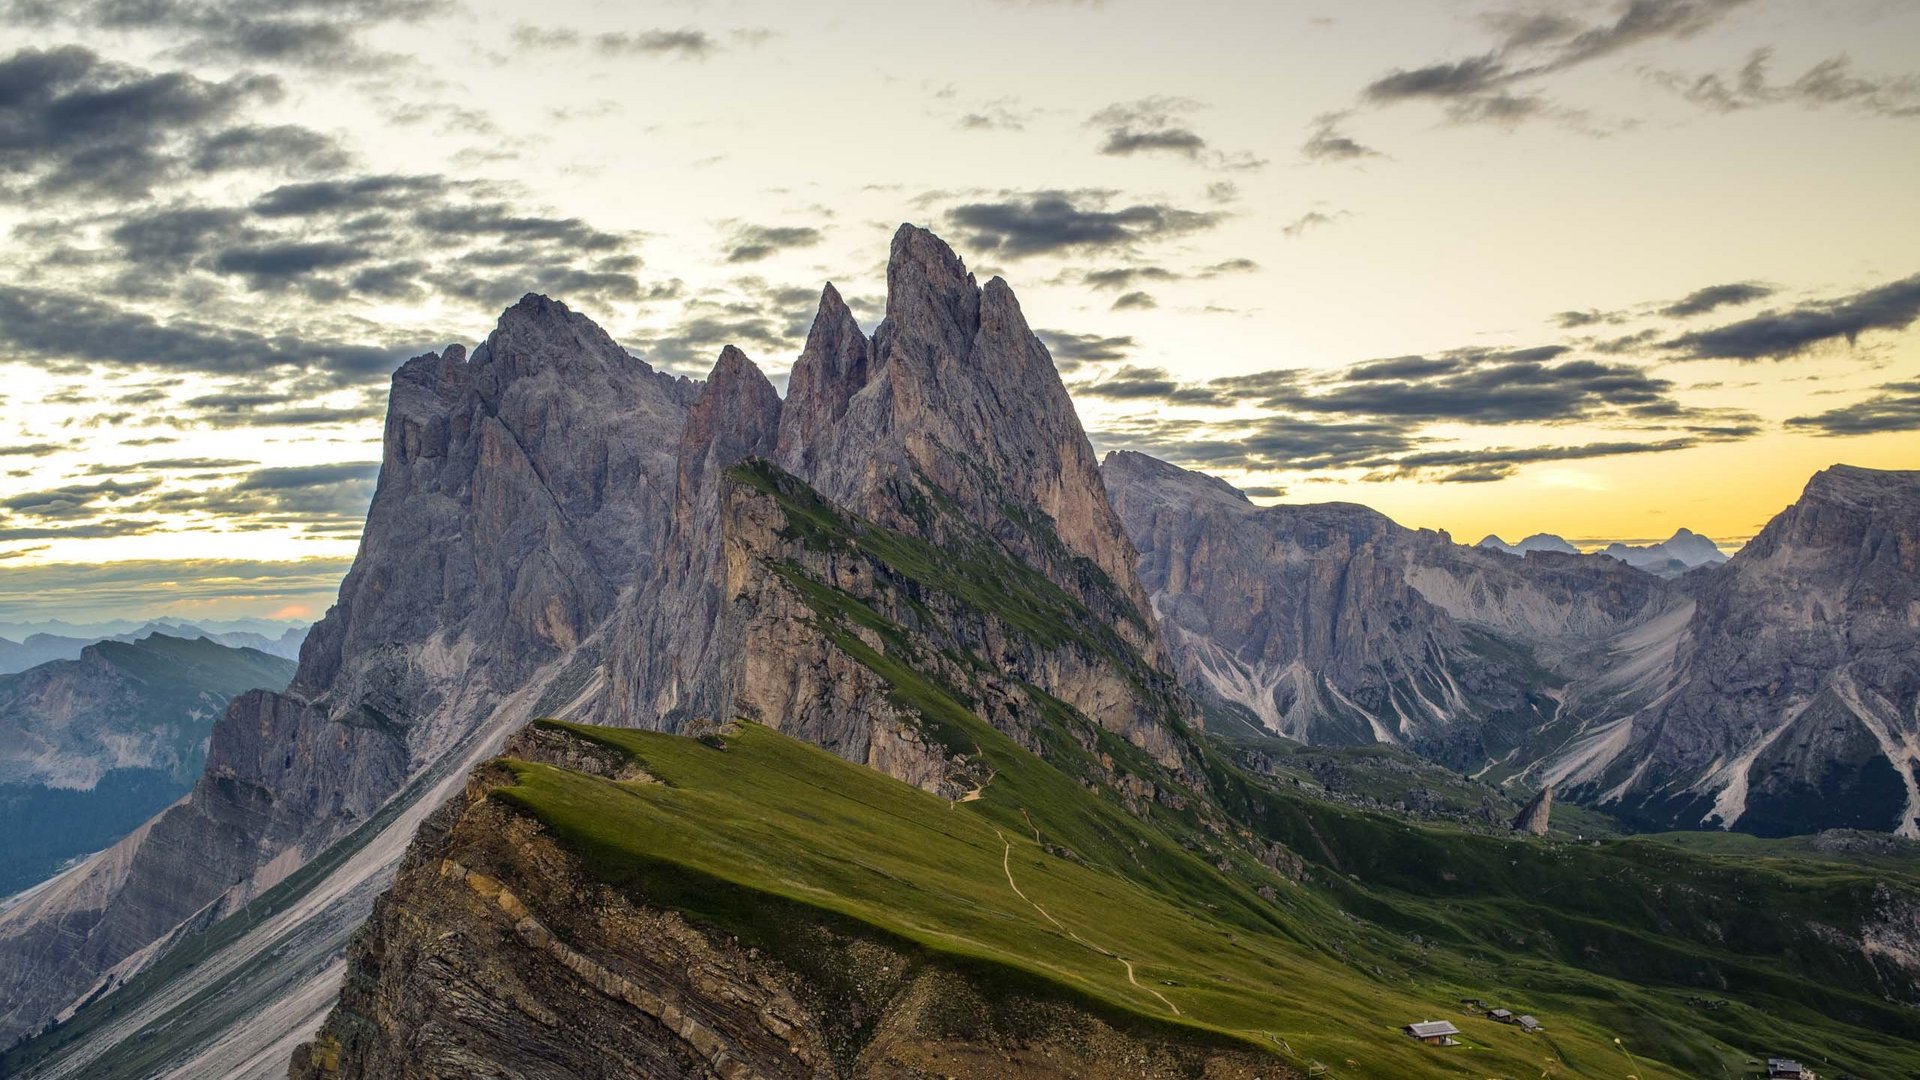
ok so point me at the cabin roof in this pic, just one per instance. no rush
(1427, 1029)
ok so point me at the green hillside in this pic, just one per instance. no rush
(1037, 879)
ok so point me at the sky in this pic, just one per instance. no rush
(1593, 268)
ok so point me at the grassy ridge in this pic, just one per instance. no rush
(789, 824)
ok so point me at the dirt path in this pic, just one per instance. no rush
(975, 794)
(1006, 866)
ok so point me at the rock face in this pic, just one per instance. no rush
(1535, 816)
(521, 491)
(560, 530)
(1774, 694)
(1331, 624)
(91, 747)
(1793, 702)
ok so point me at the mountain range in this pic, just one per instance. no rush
(39, 646)
(674, 728)
(1775, 693)
(93, 746)
(1679, 553)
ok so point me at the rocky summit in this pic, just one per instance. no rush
(671, 728)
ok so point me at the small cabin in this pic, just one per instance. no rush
(1787, 1069)
(1434, 1032)
(1505, 1016)
(1527, 1023)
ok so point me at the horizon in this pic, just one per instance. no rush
(1488, 269)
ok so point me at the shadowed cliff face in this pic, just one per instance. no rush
(1795, 705)
(554, 533)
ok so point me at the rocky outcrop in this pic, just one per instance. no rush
(1535, 817)
(497, 953)
(955, 394)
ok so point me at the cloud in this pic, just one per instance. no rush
(1269, 444)
(63, 326)
(39, 449)
(1894, 407)
(686, 43)
(1077, 349)
(1312, 219)
(751, 243)
(1154, 124)
(1468, 386)
(1230, 266)
(1701, 301)
(365, 238)
(1135, 301)
(1781, 334)
(93, 530)
(1443, 81)
(1501, 86)
(1159, 125)
(1055, 222)
(1329, 143)
(1000, 114)
(1467, 466)
(145, 587)
(307, 33)
(190, 464)
(285, 148)
(1118, 278)
(1831, 83)
(1576, 320)
(74, 124)
(1396, 417)
(74, 500)
(1131, 383)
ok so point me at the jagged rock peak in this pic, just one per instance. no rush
(834, 366)
(733, 366)
(737, 403)
(540, 334)
(932, 301)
